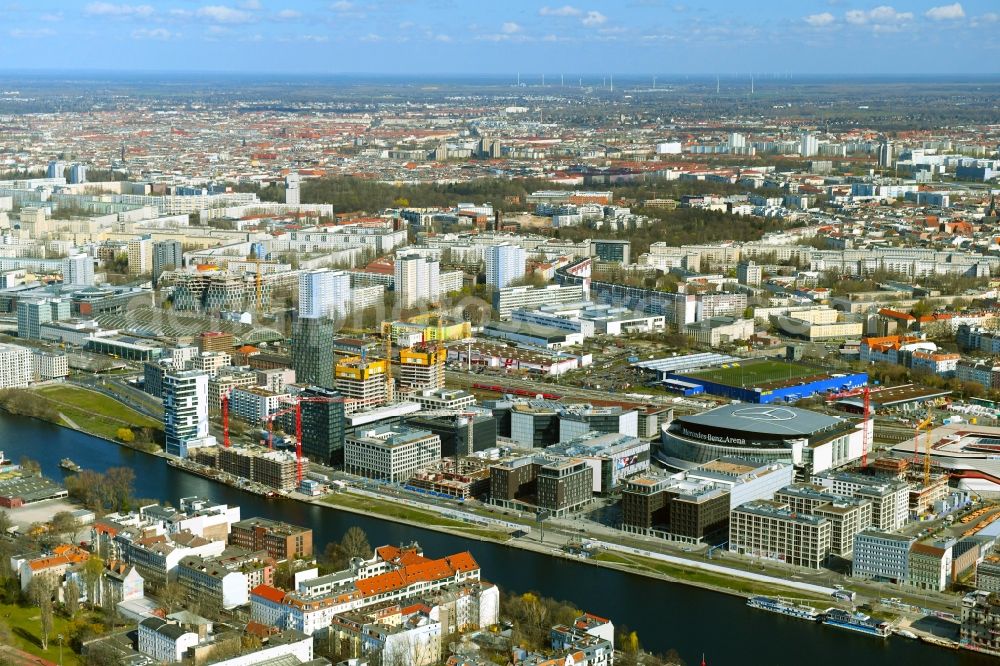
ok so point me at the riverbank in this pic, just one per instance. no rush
(86, 411)
(733, 582)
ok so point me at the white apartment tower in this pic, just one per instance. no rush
(185, 411)
(324, 293)
(809, 145)
(16, 370)
(504, 264)
(292, 192)
(140, 256)
(78, 271)
(417, 280)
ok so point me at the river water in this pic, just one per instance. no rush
(665, 615)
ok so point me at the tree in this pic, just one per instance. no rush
(355, 543)
(63, 524)
(72, 598)
(125, 435)
(5, 522)
(93, 569)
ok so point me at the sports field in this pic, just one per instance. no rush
(755, 373)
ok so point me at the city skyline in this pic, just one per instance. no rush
(528, 37)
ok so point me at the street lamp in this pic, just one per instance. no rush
(59, 637)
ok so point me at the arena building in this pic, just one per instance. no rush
(811, 441)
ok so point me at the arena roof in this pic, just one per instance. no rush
(764, 419)
(686, 362)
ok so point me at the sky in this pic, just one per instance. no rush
(503, 37)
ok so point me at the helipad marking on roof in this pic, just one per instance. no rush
(765, 413)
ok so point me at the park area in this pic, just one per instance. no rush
(94, 412)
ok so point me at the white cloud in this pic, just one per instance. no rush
(28, 33)
(442, 38)
(510, 28)
(119, 11)
(372, 37)
(565, 10)
(289, 14)
(946, 12)
(224, 14)
(879, 16)
(819, 20)
(161, 34)
(594, 18)
(51, 18)
(342, 6)
(250, 4)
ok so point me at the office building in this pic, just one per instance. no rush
(390, 454)
(506, 300)
(504, 264)
(324, 293)
(443, 398)
(421, 368)
(280, 540)
(361, 382)
(15, 366)
(78, 271)
(614, 456)
(564, 486)
(312, 351)
(882, 556)
(185, 411)
(847, 515)
(452, 427)
(168, 255)
(417, 280)
(215, 341)
(293, 195)
(771, 530)
(676, 509)
(580, 419)
(31, 314)
(322, 425)
(255, 404)
(890, 498)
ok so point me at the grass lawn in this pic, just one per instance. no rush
(26, 628)
(752, 373)
(409, 514)
(740, 585)
(95, 412)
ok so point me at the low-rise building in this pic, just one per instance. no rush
(280, 540)
(980, 630)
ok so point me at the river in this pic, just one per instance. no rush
(665, 615)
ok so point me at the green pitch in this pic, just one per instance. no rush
(755, 373)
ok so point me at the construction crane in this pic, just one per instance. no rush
(916, 441)
(387, 340)
(295, 407)
(867, 427)
(225, 419)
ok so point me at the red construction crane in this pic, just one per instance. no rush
(296, 406)
(225, 419)
(867, 427)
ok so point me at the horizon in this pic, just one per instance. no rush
(454, 38)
